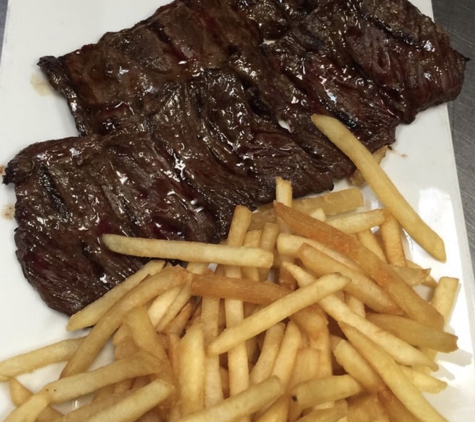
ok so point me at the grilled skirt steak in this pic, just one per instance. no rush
(198, 109)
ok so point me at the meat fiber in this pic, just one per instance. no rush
(197, 109)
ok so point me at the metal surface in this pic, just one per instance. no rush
(458, 17)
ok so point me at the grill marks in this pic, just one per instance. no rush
(197, 109)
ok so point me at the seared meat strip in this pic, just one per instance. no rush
(69, 192)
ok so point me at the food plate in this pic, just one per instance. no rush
(421, 163)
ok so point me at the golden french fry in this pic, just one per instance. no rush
(87, 411)
(306, 365)
(139, 295)
(355, 365)
(331, 203)
(30, 409)
(322, 344)
(413, 276)
(444, 296)
(391, 234)
(324, 390)
(355, 305)
(242, 404)
(28, 362)
(397, 348)
(252, 239)
(404, 296)
(357, 178)
(136, 404)
(368, 239)
(20, 394)
(174, 309)
(162, 303)
(278, 412)
(283, 191)
(424, 382)
(382, 185)
(415, 333)
(238, 363)
(290, 244)
(365, 408)
(180, 322)
(189, 251)
(270, 348)
(144, 334)
(285, 359)
(396, 410)
(269, 235)
(392, 375)
(277, 311)
(361, 286)
(357, 222)
(192, 365)
(88, 316)
(334, 414)
(68, 388)
(260, 293)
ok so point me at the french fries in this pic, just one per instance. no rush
(312, 320)
(382, 185)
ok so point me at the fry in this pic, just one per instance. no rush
(20, 394)
(270, 348)
(136, 404)
(192, 366)
(143, 332)
(357, 222)
(173, 310)
(392, 239)
(397, 348)
(355, 365)
(290, 244)
(249, 291)
(238, 363)
(189, 251)
(242, 404)
(213, 388)
(88, 316)
(277, 311)
(424, 382)
(392, 375)
(68, 388)
(30, 409)
(444, 296)
(278, 412)
(28, 362)
(138, 296)
(361, 287)
(404, 296)
(368, 239)
(285, 359)
(161, 304)
(365, 408)
(382, 185)
(357, 178)
(87, 411)
(331, 203)
(324, 390)
(415, 333)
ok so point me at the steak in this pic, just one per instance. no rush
(197, 109)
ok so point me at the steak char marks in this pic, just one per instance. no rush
(198, 109)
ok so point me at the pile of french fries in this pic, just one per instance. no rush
(307, 312)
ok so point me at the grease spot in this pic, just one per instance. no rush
(8, 212)
(40, 84)
(2, 170)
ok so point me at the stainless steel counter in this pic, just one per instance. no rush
(458, 17)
